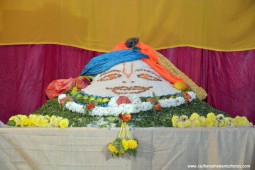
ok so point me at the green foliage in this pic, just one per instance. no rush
(150, 118)
(118, 145)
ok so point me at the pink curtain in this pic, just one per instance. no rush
(228, 77)
(26, 70)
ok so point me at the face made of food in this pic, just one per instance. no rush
(130, 78)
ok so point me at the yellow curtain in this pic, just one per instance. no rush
(98, 25)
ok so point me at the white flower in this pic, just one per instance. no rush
(171, 102)
(135, 99)
(145, 106)
(192, 95)
(127, 108)
(113, 102)
(74, 107)
(68, 105)
(166, 103)
(99, 111)
(179, 101)
(220, 117)
(61, 96)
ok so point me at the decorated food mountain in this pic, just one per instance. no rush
(132, 79)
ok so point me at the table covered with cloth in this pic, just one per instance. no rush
(159, 148)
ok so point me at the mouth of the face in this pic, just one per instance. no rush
(129, 90)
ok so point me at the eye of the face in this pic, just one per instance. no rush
(110, 76)
(148, 77)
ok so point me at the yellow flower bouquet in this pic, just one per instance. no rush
(124, 144)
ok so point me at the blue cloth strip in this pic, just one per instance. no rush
(106, 61)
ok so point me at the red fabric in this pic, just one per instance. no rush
(57, 87)
(25, 72)
(60, 86)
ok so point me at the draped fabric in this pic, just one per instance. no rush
(228, 77)
(98, 25)
(26, 70)
(106, 61)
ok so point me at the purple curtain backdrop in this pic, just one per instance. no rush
(26, 70)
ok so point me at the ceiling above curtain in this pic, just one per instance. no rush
(98, 25)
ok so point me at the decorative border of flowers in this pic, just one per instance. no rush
(135, 106)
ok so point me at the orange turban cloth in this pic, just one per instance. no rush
(151, 61)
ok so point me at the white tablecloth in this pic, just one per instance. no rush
(160, 148)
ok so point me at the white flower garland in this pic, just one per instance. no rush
(135, 106)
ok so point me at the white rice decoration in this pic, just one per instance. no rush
(129, 78)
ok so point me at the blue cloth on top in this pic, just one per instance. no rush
(106, 61)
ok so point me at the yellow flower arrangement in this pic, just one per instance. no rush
(194, 116)
(201, 121)
(124, 144)
(227, 121)
(211, 116)
(175, 119)
(64, 123)
(132, 144)
(37, 121)
(241, 121)
(181, 122)
(112, 148)
(211, 120)
(195, 123)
